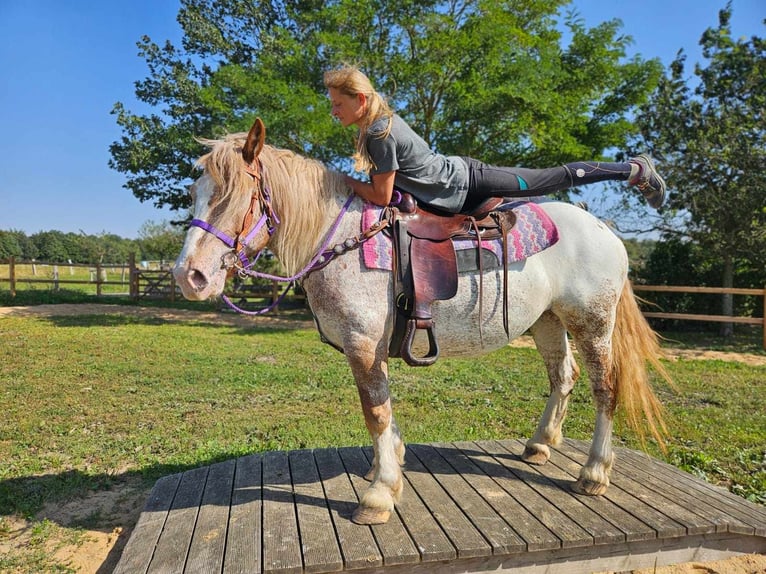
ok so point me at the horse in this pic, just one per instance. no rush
(253, 196)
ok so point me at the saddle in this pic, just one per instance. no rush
(426, 267)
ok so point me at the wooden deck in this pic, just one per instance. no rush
(470, 506)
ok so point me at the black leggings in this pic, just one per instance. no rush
(486, 181)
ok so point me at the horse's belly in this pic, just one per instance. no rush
(464, 327)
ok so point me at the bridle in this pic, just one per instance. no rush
(236, 260)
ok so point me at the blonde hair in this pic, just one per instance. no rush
(351, 81)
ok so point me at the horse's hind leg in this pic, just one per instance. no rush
(551, 340)
(368, 364)
(593, 339)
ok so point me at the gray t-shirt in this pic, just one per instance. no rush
(441, 181)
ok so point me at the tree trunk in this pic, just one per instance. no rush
(727, 299)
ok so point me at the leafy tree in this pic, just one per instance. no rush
(9, 245)
(474, 77)
(51, 246)
(712, 140)
(161, 241)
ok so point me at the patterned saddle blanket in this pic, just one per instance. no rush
(533, 232)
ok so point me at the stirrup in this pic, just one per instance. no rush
(405, 351)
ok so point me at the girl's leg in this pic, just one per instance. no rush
(492, 181)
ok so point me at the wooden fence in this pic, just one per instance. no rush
(140, 283)
(29, 274)
(713, 318)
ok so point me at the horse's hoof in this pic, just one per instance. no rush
(535, 456)
(363, 515)
(589, 487)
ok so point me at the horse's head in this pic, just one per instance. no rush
(233, 216)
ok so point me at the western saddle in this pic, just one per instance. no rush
(426, 269)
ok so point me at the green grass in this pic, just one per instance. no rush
(91, 401)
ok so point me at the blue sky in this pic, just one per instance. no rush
(64, 65)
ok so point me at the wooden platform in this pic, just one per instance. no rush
(471, 506)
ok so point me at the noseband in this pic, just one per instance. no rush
(237, 259)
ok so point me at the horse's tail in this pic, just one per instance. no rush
(634, 343)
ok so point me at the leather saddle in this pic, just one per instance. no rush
(426, 267)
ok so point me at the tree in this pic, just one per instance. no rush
(9, 245)
(160, 240)
(475, 77)
(712, 142)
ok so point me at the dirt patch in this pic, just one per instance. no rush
(108, 517)
(103, 522)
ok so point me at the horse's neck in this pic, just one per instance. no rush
(300, 241)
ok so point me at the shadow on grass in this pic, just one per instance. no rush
(289, 320)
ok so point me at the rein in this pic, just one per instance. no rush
(237, 261)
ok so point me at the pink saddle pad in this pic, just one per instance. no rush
(534, 231)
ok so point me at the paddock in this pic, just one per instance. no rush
(467, 507)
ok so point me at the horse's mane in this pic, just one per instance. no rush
(302, 192)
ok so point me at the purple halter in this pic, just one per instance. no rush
(237, 259)
(238, 244)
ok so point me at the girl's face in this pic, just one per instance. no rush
(349, 110)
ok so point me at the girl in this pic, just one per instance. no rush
(395, 156)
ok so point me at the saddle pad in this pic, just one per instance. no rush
(534, 231)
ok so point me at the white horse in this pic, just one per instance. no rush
(252, 196)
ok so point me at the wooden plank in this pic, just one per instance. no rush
(515, 481)
(731, 500)
(632, 528)
(139, 550)
(318, 543)
(281, 541)
(173, 545)
(495, 530)
(691, 523)
(468, 459)
(243, 543)
(649, 475)
(467, 540)
(743, 517)
(392, 538)
(558, 494)
(209, 539)
(662, 526)
(357, 544)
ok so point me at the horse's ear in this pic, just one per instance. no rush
(254, 142)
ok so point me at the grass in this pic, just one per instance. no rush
(91, 401)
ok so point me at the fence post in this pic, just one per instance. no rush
(274, 293)
(133, 277)
(12, 272)
(56, 278)
(98, 279)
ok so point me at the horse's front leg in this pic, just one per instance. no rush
(370, 369)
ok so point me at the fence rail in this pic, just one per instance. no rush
(712, 318)
(136, 281)
(159, 283)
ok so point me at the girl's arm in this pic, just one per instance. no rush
(378, 192)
